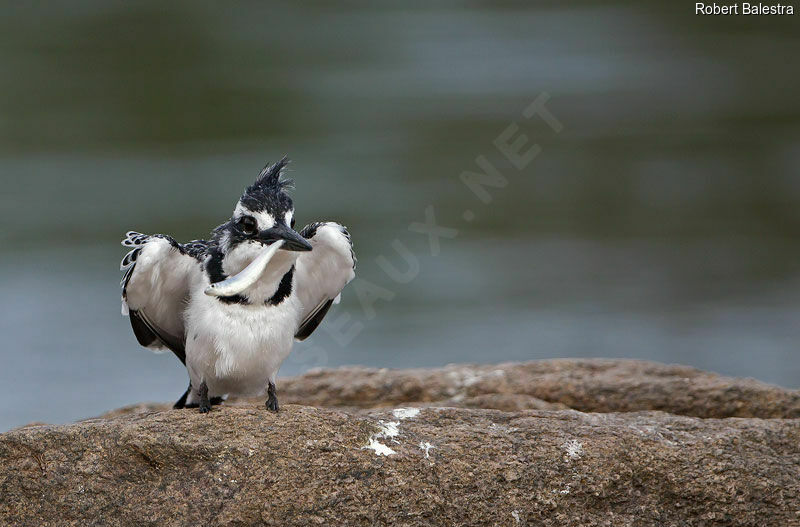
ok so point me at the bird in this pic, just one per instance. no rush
(230, 307)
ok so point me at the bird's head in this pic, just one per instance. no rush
(263, 215)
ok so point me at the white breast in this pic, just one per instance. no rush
(236, 348)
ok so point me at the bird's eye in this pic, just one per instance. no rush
(248, 225)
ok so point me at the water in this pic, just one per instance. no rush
(660, 224)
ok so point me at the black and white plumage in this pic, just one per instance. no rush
(230, 307)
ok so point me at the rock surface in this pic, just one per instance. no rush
(594, 385)
(360, 459)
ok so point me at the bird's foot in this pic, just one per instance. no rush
(181, 403)
(272, 397)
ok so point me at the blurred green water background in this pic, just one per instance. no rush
(661, 223)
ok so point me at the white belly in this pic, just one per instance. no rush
(237, 349)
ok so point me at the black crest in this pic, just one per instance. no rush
(268, 191)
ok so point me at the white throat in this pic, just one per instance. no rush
(254, 270)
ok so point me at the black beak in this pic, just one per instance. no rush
(291, 238)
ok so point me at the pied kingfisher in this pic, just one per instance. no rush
(230, 307)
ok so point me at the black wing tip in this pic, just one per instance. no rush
(313, 321)
(146, 334)
(141, 330)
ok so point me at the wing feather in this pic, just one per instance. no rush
(158, 273)
(323, 272)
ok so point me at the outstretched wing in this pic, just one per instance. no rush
(155, 288)
(322, 272)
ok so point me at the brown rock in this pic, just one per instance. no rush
(589, 385)
(242, 465)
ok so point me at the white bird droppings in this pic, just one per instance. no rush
(388, 430)
(426, 447)
(406, 413)
(379, 448)
(515, 515)
(573, 449)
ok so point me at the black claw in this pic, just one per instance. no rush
(204, 405)
(272, 397)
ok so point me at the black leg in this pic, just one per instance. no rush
(272, 397)
(205, 404)
(181, 403)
